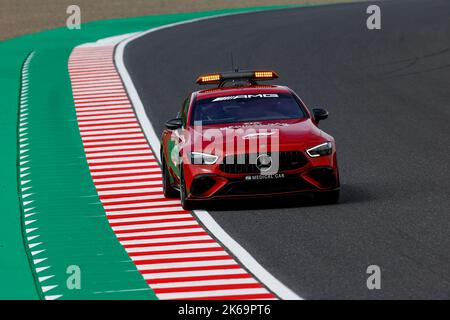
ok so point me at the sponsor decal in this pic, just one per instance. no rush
(254, 124)
(246, 96)
(265, 176)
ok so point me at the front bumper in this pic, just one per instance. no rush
(205, 182)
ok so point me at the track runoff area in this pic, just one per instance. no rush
(178, 256)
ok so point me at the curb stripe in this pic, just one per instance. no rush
(172, 251)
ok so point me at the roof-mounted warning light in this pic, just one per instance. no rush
(250, 76)
(209, 79)
(265, 75)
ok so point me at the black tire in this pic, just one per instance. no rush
(329, 197)
(185, 203)
(168, 190)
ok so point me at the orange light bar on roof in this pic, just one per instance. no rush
(265, 75)
(251, 76)
(209, 78)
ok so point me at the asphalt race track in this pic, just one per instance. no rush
(388, 95)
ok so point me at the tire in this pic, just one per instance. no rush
(329, 197)
(185, 203)
(168, 190)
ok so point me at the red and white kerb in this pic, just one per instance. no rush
(176, 256)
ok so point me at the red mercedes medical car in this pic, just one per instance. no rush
(242, 139)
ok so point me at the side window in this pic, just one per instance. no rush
(183, 114)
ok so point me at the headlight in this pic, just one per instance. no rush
(323, 149)
(202, 158)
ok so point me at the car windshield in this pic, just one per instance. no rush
(247, 108)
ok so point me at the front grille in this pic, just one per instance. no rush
(245, 163)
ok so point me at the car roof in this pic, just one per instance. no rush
(251, 89)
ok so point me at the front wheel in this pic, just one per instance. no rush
(168, 190)
(185, 203)
(329, 197)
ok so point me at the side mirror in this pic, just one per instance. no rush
(174, 124)
(319, 114)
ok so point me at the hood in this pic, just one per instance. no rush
(283, 135)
